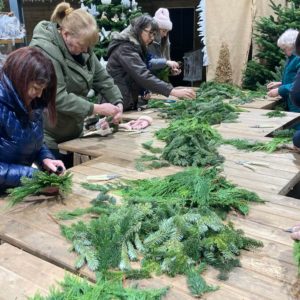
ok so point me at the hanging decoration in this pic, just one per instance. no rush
(103, 16)
(111, 16)
(115, 18)
(134, 5)
(201, 9)
(125, 3)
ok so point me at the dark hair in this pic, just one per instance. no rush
(140, 23)
(29, 64)
(297, 44)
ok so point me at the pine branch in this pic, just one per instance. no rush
(36, 184)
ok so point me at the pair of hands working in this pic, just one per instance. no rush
(273, 88)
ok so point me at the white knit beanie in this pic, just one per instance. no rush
(162, 17)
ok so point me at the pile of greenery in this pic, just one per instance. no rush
(280, 138)
(190, 139)
(209, 105)
(269, 56)
(74, 288)
(170, 225)
(173, 225)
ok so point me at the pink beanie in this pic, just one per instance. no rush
(162, 17)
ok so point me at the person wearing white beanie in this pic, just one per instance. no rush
(159, 50)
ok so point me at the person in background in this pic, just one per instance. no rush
(27, 87)
(295, 95)
(68, 40)
(159, 49)
(286, 43)
(127, 63)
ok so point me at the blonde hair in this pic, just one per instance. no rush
(77, 22)
(288, 39)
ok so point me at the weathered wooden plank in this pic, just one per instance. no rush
(22, 274)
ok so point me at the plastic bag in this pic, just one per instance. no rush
(10, 28)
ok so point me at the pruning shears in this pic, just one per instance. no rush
(103, 177)
(250, 164)
(261, 126)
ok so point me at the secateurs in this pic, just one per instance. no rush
(251, 164)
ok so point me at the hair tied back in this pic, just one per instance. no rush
(68, 11)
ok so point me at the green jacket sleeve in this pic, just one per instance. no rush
(69, 103)
(104, 84)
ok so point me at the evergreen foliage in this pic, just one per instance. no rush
(276, 114)
(35, 185)
(174, 221)
(196, 284)
(268, 30)
(112, 17)
(296, 254)
(74, 288)
(271, 146)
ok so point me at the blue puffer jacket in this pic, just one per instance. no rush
(21, 137)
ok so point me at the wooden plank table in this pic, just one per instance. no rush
(253, 124)
(266, 273)
(23, 275)
(262, 103)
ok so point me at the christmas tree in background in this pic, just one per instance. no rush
(268, 30)
(111, 15)
(224, 69)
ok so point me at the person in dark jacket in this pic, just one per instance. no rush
(286, 42)
(68, 41)
(159, 49)
(27, 87)
(295, 94)
(127, 54)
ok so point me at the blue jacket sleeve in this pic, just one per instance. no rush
(42, 154)
(10, 174)
(295, 91)
(157, 63)
(285, 89)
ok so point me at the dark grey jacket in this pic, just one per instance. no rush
(127, 66)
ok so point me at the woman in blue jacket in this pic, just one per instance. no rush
(286, 43)
(27, 87)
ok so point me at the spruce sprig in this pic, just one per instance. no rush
(35, 185)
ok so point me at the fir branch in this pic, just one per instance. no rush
(148, 146)
(275, 114)
(296, 254)
(197, 284)
(36, 184)
(80, 289)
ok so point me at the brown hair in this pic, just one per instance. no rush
(77, 22)
(139, 24)
(26, 65)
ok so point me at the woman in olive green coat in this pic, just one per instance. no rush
(68, 40)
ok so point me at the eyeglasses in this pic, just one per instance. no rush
(151, 33)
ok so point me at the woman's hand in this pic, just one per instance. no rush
(173, 64)
(118, 117)
(188, 93)
(52, 165)
(274, 85)
(105, 109)
(273, 93)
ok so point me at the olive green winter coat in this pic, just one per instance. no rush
(74, 80)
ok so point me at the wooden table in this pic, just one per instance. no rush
(266, 273)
